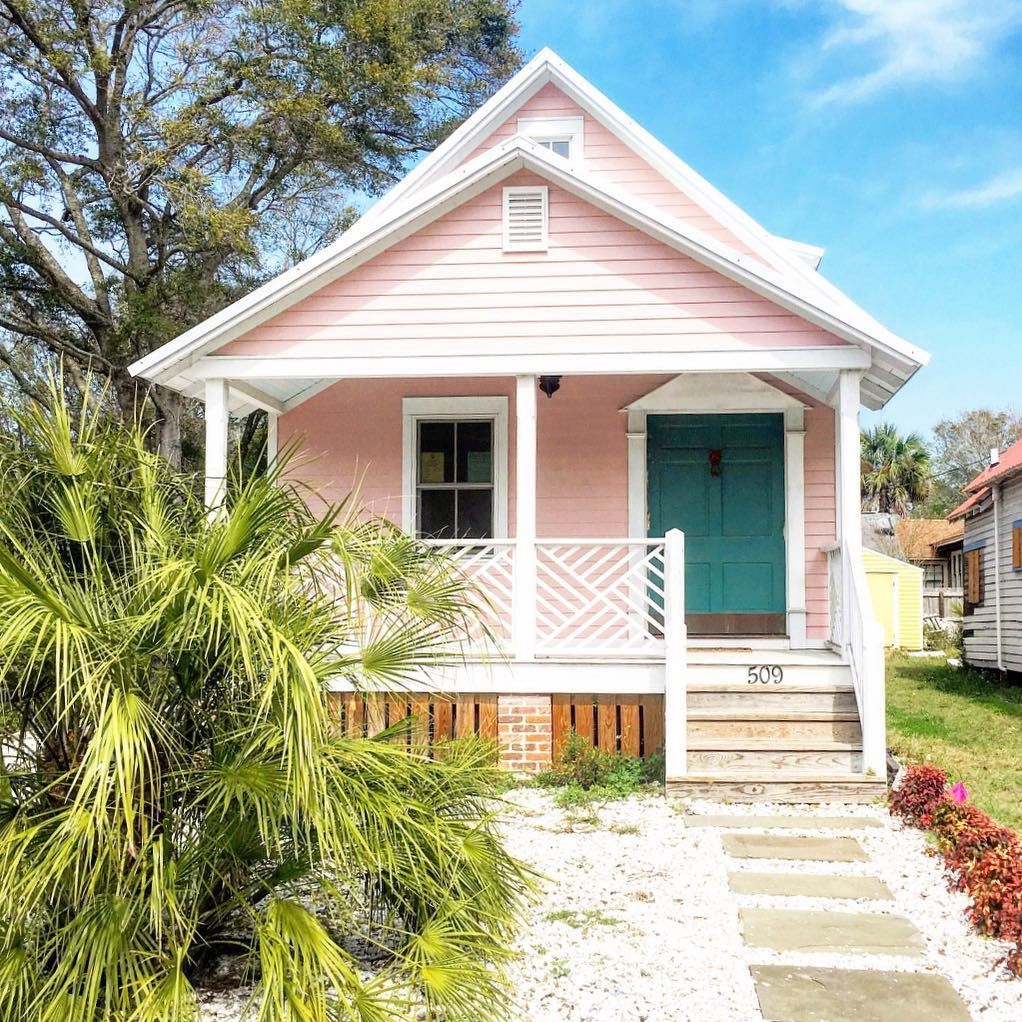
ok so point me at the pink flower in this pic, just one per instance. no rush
(959, 793)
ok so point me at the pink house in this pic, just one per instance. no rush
(629, 410)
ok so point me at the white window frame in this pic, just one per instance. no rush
(438, 409)
(556, 129)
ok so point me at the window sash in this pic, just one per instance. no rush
(455, 486)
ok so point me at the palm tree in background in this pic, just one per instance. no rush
(895, 470)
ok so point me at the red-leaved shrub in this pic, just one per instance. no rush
(982, 858)
(921, 788)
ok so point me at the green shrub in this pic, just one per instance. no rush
(175, 790)
(587, 773)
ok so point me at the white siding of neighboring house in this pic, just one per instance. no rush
(980, 628)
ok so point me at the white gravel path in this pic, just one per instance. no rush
(636, 922)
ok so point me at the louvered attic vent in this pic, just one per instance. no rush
(525, 219)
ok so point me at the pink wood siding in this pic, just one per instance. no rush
(821, 516)
(608, 158)
(352, 435)
(600, 278)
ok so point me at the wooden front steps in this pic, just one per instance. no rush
(796, 741)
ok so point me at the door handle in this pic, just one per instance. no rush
(715, 458)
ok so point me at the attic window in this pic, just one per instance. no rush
(525, 218)
(561, 135)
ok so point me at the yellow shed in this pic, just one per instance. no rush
(896, 588)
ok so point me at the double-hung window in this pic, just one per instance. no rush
(455, 467)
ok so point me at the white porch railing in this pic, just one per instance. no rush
(856, 631)
(600, 597)
(609, 599)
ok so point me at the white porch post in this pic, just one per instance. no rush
(523, 623)
(675, 657)
(795, 524)
(849, 468)
(216, 441)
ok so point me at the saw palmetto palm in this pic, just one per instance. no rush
(174, 791)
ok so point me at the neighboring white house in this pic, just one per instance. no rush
(992, 512)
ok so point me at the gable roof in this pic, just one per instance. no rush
(1008, 464)
(920, 537)
(779, 271)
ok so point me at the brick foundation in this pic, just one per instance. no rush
(524, 733)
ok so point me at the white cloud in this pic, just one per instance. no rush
(1004, 187)
(881, 44)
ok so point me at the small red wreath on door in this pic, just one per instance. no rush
(715, 457)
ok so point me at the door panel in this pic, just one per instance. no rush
(733, 520)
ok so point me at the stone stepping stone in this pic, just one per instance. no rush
(782, 846)
(783, 822)
(846, 932)
(794, 994)
(809, 885)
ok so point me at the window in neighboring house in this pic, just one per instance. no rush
(1016, 545)
(958, 570)
(454, 487)
(974, 577)
(933, 576)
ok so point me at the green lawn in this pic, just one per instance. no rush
(963, 723)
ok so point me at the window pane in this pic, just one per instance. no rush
(560, 146)
(475, 452)
(436, 514)
(436, 452)
(475, 514)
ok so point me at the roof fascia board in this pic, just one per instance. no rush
(517, 90)
(424, 364)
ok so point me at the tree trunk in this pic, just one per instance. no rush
(171, 408)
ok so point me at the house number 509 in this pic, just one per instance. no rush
(766, 674)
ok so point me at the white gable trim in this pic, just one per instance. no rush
(720, 392)
(169, 363)
(546, 67)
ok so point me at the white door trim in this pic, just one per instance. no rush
(725, 393)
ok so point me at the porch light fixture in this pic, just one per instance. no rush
(550, 385)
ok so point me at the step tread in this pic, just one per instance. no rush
(778, 776)
(766, 716)
(738, 743)
(838, 688)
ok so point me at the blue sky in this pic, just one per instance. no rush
(888, 131)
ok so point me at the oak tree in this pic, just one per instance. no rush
(159, 158)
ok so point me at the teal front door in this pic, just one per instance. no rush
(720, 479)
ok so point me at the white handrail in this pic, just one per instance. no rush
(860, 636)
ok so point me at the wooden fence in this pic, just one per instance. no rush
(632, 725)
(941, 603)
(436, 719)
